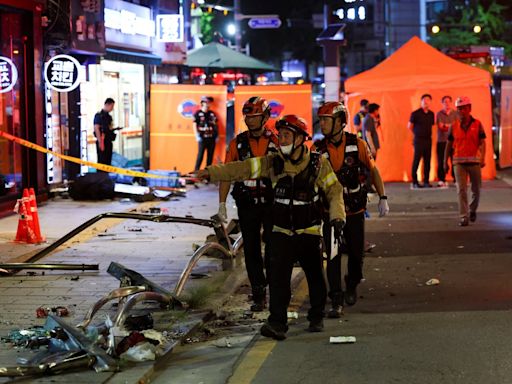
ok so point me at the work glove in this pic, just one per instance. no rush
(223, 215)
(202, 174)
(383, 206)
(337, 226)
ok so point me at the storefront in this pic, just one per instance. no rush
(21, 102)
(123, 74)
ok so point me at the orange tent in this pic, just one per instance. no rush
(397, 84)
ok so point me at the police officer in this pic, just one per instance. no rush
(297, 175)
(253, 197)
(104, 132)
(350, 159)
(205, 128)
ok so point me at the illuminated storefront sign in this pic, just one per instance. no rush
(62, 73)
(50, 163)
(169, 28)
(129, 23)
(8, 74)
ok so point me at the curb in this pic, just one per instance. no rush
(236, 277)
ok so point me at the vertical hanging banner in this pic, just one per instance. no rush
(283, 100)
(173, 143)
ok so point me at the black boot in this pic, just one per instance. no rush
(316, 326)
(337, 306)
(259, 297)
(273, 331)
(350, 292)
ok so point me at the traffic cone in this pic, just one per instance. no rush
(35, 216)
(25, 232)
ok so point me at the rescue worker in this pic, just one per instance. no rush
(297, 177)
(206, 131)
(467, 138)
(351, 160)
(253, 197)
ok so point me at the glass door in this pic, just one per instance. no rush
(12, 98)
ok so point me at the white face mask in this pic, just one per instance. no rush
(286, 149)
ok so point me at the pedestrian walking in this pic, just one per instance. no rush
(444, 120)
(350, 160)
(467, 138)
(104, 132)
(420, 124)
(206, 131)
(253, 197)
(359, 117)
(298, 175)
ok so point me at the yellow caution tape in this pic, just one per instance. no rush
(101, 167)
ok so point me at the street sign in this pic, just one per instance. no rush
(62, 73)
(265, 22)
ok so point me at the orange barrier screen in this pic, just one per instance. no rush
(397, 84)
(172, 141)
(283, 99)
(506, 124)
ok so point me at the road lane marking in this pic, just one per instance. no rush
(259, 350)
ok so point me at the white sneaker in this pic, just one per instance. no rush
(442, 184)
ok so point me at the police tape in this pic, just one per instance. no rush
(101, 167)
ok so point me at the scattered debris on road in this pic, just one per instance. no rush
(433, 281)
(342, 339)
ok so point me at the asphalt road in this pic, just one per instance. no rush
(407, 332)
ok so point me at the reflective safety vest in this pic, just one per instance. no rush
(297, 207)
(253, 191)
(352, 174)
(466, 142)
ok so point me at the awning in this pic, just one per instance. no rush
(132, 57)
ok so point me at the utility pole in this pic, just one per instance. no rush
(238, 29)
(331, 39)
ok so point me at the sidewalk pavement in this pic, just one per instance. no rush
(159, 251)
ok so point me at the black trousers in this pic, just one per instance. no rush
(353, 235)
(208, 145)
(441, 174)
(105, 157)
(284, 251)
(252, 219)
(422, 150)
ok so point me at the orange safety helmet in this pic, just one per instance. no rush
(256, 106)
(334, 109)
(294, 123)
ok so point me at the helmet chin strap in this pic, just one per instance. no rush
(260, 128)
(332, 135)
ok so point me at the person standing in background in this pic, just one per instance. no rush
(359, 117)
(206, 131)
(104, 132)
(420, 124)
(444, 120)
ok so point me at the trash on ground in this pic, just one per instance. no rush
(129, 341)
(342, 339)
(152, 334)
(134, 229)
(74, 278)
(222, 343)
(43, 312)
(433, 282)
(141, 352)
(293, 315)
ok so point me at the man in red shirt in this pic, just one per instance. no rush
(467, 138)
(253, 197)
